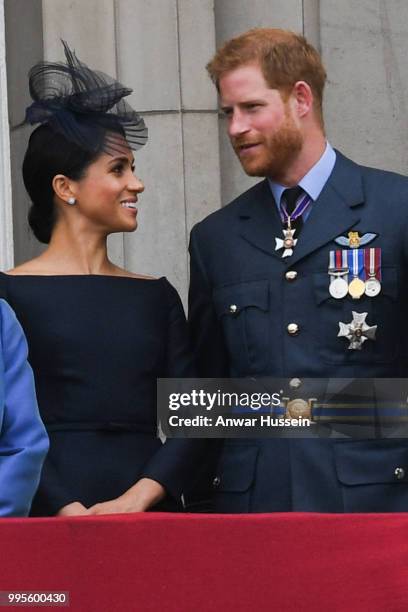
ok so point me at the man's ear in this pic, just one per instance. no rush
(63, 187)
(303, 97)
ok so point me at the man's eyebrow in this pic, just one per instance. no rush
(243, 103)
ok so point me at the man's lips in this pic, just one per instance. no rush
(246, 147)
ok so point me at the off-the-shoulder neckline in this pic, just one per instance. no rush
(139, 278)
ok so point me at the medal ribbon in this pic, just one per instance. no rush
(298, 211)
(338, 262)
(372, 263)
(356, 262)
(338, 265)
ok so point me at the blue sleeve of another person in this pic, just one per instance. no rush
(23, 439)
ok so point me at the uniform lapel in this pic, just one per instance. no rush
(335, 211)
(259, 219)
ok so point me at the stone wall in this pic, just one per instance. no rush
(160, 48)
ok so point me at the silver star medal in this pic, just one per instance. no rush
(287, 243)
(357, 331)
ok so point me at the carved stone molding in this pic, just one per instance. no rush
(6, 216)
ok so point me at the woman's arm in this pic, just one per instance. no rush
(23, 439)
(174, 466)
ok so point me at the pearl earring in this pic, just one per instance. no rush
(71, 201)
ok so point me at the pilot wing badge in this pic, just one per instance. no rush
(354, 240)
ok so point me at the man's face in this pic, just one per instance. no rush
(261, 126)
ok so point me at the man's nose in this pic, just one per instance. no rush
(238, 124)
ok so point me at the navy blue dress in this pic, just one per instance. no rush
(97, 344)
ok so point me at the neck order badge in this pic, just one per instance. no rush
(291, 211)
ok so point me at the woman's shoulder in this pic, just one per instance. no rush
(122, 272)
(6, 311)
(9, 325)
(32, 267)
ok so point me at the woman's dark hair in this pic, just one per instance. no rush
(50, 153)
(82, 113)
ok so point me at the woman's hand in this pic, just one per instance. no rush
(73, 509)
(139, 498)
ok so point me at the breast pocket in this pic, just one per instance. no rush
(243, 310)
(381, 311)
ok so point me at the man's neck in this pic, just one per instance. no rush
(310, 154)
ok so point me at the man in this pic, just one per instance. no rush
(299, 284)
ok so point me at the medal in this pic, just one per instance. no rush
(357, 331)
(338, 288)
(372, 263)
(356, 263)
(289, 242)
(338, 271)
(372, 287)
(356, 288)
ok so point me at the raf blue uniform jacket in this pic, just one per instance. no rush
(234, 262)
(23, 439)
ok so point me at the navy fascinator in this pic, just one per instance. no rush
(83, 105)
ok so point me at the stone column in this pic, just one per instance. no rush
(364, 46)
(6, 216)
(162, 49)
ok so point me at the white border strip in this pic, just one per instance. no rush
(6, 213)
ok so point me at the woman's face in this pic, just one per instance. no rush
(106, 196)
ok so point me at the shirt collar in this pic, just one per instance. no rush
(314, 180)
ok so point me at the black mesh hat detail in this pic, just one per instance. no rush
(84, 105)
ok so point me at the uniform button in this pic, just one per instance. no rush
(293, 329)
(216, 481)
(399, 473)
(295, 383)
(291, 275)
(233, 309)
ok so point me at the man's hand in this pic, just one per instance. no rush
(139, 498)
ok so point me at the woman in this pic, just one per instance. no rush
(23, 440)
(99, 336)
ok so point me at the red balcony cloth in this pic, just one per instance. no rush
(198, 563)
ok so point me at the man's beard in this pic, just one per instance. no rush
(277, 152)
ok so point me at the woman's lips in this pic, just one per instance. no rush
(129, 206)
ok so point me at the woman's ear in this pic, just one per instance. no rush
(63, 187)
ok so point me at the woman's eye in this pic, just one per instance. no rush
(117, 169)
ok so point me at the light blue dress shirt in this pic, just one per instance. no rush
(313, 182)
(23, 439)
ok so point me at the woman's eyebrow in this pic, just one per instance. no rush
(122, 158)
